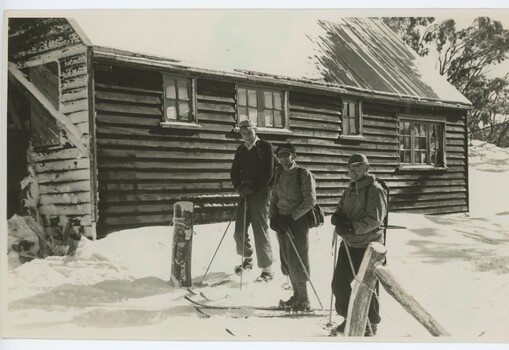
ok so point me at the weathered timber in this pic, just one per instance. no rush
(363, 286)
(182, 244)
(394, 289)
(73, 133)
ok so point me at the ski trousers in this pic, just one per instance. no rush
(256, 216)
(343, 278)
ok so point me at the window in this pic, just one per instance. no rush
(421, 142)
(45, 131)
(352, 117)
(178, 99)
(265, 107)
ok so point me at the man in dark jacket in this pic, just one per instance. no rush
(251, 175)
(358, 219)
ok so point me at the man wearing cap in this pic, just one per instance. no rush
(293, 195)
(358, 219)
(251, 175)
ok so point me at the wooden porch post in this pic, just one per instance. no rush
(394, 289)
(182, 244)
(362, 292)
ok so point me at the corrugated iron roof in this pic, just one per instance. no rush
(357, 53)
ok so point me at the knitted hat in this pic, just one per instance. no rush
(247, 123)
(358, 158)
(288, 147)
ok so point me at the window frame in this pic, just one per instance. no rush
(441, 164)
(260, 91)
(192, 123)
(345, 132)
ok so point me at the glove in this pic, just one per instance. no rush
(338, 217)
(345, 228)
(244, 190)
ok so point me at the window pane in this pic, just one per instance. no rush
(278, 119)
(253, 115)
(353, 126)
(345, 109)
(422, 130)
(408, 159)
(422, 142)
(434, 145)
(406, 142)
(346, 125)
(182, 90)
(170, 90)
(406, 128)
(267, 95)
(402, 156)
(171, 111)
(268, 119)
(352, 109)
(183, 110)
(278, 101)
(251, 98)
(242, 97)
(433, 158)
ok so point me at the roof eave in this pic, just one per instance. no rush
(258, 77)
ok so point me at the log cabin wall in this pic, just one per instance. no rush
(417, 191)
(63, 172)
(143, 168)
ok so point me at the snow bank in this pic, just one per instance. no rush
(456, 266)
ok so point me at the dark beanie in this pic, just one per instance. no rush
(358, 158)
(286, 147)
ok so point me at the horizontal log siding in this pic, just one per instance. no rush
(143, 169)
(416, 191)
(63, 174)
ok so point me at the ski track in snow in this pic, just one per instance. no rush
(455, 265)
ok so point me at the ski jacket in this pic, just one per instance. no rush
(254, 166)
(366, 211)
(288, 198)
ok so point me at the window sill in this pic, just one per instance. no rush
(352, 137)
(422, 168)
(179, 125)
(271, 131)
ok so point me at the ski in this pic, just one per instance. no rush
(261, 312)
(196, 286)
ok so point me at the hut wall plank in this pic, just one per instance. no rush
(63, 173)
(144, 169)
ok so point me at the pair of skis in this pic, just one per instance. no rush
(208, 307)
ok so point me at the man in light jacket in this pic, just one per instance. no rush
(359, 220)
(293, 196)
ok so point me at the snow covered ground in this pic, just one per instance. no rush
(456, 266)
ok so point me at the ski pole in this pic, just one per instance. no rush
(290, 238)
(335, 240)
(219, 245)
(244, 229)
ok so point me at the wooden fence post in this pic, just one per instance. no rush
(362, 292)
(182, 244)
(408, 302)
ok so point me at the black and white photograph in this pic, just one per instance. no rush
(296, 175)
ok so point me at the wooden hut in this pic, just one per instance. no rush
(118, 129)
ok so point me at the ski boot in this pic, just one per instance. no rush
(288, 304)
(247, 264)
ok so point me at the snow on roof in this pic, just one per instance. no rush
(318, 46)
